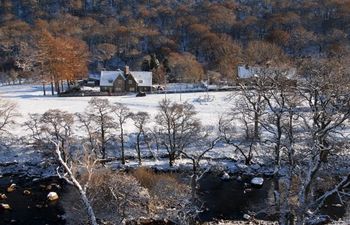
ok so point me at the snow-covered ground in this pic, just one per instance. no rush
(30, 99)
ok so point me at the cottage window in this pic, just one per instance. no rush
(140, 81)
(118, 89)
(130, 81)
(110, 81)
(119, 82)
(132, 89)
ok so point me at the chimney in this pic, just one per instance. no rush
(126, 70)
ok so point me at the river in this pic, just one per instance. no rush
(228, 200)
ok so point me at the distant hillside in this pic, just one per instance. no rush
(175, 36)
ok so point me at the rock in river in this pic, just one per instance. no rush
(27, 192)
(3, 196)
(225, 176)
(11, 188)
(52, 196)
(5, 206)
(257, 181)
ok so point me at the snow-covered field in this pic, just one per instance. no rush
(30, 99)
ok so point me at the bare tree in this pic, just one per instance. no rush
(229, 133)
(251, 108)
(34, 124)
(99, 110)
(122, 114)
(116, 197)
(326, 90)
(179, 126)
(8, 112)
(140, 120)
(70, 177)
(57, 125)
(86, 123)
(205, 142)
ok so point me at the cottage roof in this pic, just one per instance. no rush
(251, 71)
(108, 77)
(143, 79)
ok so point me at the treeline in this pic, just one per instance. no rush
(182, 39)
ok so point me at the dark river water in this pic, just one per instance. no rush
(221, 199)
(231, 199)
(33, 209)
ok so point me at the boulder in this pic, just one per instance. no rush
(27, 192)
(5, 206)
(242, 167)
(225, 176)
(11, 188)
(257, 181)
(247, 217)
(52, 196)
(255, 166)
(3, 196)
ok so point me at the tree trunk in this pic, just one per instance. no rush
(103, 144)
(256, 126)
(194, 181)
(122, 142)
(57, 84)
(171, 159)
(44, 89)
(86, 202)
(62, 89)
(138, 148)
(52, 89)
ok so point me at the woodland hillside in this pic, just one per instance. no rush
(187, 40)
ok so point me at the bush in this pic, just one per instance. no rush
(117, 196)
(168, 196)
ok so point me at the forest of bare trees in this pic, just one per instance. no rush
(184, 40)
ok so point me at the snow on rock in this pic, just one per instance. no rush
(247, 217)
(11, 188)
(257, 181)
(3, 196)
(52, 196)
(242, 166)
(322, 219)
(27, 192)
(5, 206)
(255, 166)
(225, 176)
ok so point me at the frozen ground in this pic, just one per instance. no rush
(30, 99)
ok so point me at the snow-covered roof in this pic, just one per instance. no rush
(94, 76)
(143, 79)
(108, 77)
(251, 71)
